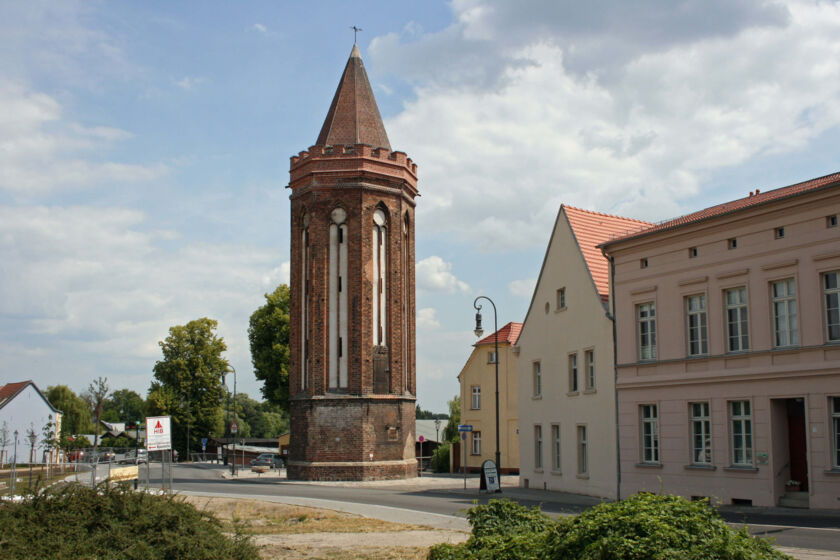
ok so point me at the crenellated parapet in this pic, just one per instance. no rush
(331, 163)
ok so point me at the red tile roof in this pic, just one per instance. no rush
(754, 199)
(9, 390)
(508, 334)
(590, 230)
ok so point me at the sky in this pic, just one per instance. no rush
(144, 151)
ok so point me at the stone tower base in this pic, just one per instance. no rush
(342, 437)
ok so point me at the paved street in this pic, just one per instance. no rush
(442, 501)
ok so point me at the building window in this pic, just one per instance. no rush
(476, 443)
(831, 290)
(589, 359)
(380, 275)
(646, 317)
(698, 336)
(692, 252)
(537, 379)
(785, 322)
(583, 459)
(538, 464)
(555, 447)
(491, 357)
(779, 232)
(737, 329)
(701, 434)
(561, 298)
(650, 433)
(476, 397)
(831, 221)
(732, 243)
(573, 373)
(643, 263)
(740, 432)
(835, 424)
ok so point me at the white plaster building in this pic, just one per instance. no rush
(25, 409)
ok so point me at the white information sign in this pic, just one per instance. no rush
(158, 433)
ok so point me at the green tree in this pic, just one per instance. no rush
(451, 431)
(95, 397)
(188, 382)
(268, 333)
(124, 405)
(75, 414)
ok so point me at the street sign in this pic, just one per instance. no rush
(489, 476)
(420, 439)
(158, 433)
(464, 435)
(204, 442)
(464, 427)
(234, 427)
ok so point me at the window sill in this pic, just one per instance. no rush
(582, 476)
(697, 356)
(556, 473)
(700, 467)
(649, 465)
(833, 472)
(590, 391)
(536, 397)
(538, 470)
(740, 468)
(573, 393)
(560, 309)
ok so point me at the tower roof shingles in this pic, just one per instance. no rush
(354, 117)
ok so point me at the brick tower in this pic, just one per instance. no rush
(352, 342)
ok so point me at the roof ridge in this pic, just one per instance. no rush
(597, 213)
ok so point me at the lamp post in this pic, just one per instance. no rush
(32, 437)
(14, 468)
(478, 332)
(437, 431)
(233, 464)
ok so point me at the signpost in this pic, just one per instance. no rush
(490, 476)
(464, 428)
(159, 438)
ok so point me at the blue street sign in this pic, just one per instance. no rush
(464, 427)
(203, 442)
(464, 435)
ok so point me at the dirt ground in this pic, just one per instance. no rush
(297, 533)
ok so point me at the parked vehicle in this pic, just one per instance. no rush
(272, 460)
(132, 457)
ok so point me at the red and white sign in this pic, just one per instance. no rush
(234, 427)
(158, 433)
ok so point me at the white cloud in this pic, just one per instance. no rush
(427, 318)
(505, 138)
(40, 151)
(435, 275)
(188, 83)
(260, 27)
(523, 288)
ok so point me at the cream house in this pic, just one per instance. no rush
(567, 418)
(478, 401)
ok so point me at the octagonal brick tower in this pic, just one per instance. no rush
(352, 341)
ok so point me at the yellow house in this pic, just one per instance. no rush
(478, 401)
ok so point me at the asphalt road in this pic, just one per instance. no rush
(795, 529)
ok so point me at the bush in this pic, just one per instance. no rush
(440, 458)
(644, 526)
(109, 523)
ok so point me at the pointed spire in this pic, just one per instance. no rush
(353, 117)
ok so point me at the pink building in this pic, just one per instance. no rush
(728, 350)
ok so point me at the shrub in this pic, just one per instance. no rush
(109, 523)
(642, 527)
(440, 458)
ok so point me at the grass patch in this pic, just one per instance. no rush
(269, 518)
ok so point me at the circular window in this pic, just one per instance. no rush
(338, 216)
(379, 217)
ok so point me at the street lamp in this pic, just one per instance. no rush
(437, 431)
(478, 332)
(14, 468)
(32, 437)
(233, 464)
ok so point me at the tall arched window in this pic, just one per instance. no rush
(338, 300)
(406, 301)
(304, 301)
(379, 277)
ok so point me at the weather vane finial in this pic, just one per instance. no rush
(355, 32)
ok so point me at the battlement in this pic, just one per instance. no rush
(354, 150)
